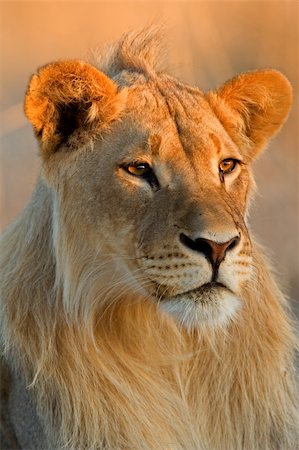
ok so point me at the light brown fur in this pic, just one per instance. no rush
(95, 257)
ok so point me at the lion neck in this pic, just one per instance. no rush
(132, 378)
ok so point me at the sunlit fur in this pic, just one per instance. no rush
(110, 370)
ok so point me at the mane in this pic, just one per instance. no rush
(138, 51)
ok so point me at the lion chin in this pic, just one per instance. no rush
(212, 304)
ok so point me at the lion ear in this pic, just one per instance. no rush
(70, 101)
(252, 107)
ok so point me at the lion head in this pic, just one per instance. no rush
(154, 177)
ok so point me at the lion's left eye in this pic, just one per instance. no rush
(227, 166)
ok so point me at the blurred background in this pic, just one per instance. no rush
(207, 43)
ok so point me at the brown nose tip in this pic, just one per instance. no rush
(214, 251)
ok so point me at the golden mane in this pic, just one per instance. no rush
(126, 376)
(140, 51)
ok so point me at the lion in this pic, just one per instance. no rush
(137, 310)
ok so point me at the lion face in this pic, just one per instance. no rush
(183, 215)
(163, 192)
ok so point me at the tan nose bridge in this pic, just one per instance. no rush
(214, 251)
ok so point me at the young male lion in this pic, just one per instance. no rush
(137, 312)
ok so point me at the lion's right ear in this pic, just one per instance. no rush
(70, 100)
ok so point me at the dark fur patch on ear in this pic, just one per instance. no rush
(72, 116)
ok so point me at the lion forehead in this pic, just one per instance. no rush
(181, 116)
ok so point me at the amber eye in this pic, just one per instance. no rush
(227, 165)
(139, 169)
(142, 170)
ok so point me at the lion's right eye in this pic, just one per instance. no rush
(142, 170)
(139, 169)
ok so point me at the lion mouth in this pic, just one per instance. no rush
(206, 287)
(203, 293)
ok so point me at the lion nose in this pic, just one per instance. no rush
(214, 251)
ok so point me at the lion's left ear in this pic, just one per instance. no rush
(69, 102)
(252, 107)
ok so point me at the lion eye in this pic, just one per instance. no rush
(143, 170)
(227, 166)
(139, 169)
